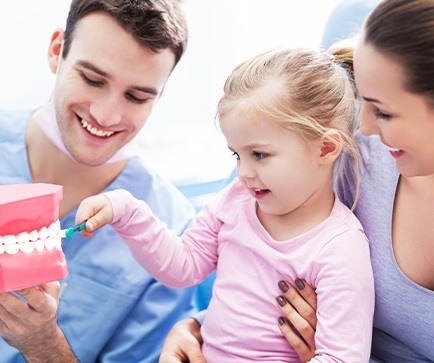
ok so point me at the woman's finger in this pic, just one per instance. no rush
(303, 349)
(302, 300)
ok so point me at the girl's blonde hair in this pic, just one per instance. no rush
(305, 91)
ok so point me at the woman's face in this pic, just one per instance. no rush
(404, 121)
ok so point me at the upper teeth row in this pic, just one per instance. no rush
(27, 242)
(393, 149)
(95, 131)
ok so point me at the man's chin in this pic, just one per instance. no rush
(90, 159)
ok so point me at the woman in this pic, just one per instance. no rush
(394, 74)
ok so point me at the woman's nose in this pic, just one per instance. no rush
(367, 121)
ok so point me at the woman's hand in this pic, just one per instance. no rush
(298, 324)
(183, 343)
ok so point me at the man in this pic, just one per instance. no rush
(112, 63)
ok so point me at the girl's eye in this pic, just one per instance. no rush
(90, 82)
(259, 155)
(381, 115)
(236, 154)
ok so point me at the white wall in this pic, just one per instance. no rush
(180, 138)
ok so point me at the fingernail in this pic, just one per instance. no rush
(299, 283)
(90, 226)
(281, 321)
(283, 286)
(281, 300)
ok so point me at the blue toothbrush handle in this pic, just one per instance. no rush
(70, 231)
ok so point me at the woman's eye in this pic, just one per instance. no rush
(91, 82)
(259, 155)
(381, 115)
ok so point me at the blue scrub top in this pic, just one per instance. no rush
(111, 309)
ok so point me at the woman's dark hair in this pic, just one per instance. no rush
(403, 30)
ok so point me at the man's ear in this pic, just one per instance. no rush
(55, 50)
(331, 146)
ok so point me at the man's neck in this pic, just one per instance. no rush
(50, 165)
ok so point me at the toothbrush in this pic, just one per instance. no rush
(69, 232)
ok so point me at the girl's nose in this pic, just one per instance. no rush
(245, 171)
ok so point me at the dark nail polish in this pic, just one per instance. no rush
(300, 284)
(283, 286)
(281, 321)
(281, 300)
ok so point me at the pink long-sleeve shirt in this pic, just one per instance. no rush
(241, 321)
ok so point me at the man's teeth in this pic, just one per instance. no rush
(96, 132)
(45, 238)
(393, 149)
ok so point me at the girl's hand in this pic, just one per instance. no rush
(98, 212)
(298, 324)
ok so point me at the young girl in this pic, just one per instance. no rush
(287, 116)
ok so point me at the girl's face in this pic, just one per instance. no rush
(278, 168)
(404, 121)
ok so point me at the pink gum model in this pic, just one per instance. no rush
(29, 208)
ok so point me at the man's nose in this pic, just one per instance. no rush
(108, 110)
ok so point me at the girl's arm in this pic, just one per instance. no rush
(173, 260)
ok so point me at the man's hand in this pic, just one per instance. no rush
(183, 343)
(31, 325)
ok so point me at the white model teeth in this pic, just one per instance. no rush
(33, 236)
(39, 245)
(12, 249)
(43, 233)
(9, 240)
(54, 229)
(49, 244)
(23, 237)
(45, 238)
(28, 247)
(95, 131)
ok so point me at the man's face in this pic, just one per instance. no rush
(105, 88)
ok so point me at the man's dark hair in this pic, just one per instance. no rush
(156, 24)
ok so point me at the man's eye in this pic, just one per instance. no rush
(90, 82)
(135, 99)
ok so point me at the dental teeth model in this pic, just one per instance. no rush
(30, 238)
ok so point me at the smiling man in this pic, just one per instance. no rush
(111, 64)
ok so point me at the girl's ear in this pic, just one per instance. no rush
(55, 50)
(331, 146)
